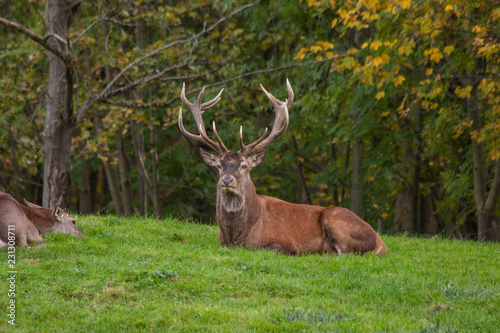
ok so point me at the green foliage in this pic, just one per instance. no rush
(144, 274)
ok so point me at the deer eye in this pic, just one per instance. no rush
(73, 221)
(243, 165)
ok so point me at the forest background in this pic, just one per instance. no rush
(396, 113)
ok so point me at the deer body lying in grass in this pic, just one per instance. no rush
(22, 224)
(246, 219)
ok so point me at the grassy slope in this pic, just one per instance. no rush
(144, 274)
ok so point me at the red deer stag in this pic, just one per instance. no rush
(246, 219)
(27, 222)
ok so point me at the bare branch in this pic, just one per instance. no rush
(42, 41)
(177, 42)
(268, 70)
(106, 91)
(94, 23)
(187, 77)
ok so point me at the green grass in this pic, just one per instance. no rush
(139, 274)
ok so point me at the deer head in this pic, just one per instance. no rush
(59, 222)
(234, 167)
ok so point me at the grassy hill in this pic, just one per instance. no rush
(139, 274)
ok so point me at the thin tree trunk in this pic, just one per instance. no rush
(114, 188)
(357, 177)
(302, 179)
(144, 182)
(485, 214)
(154, 159)
(128, 205)
(14, 165)
(334, 188)
(84, 190)
(346, 168)
(416, 207)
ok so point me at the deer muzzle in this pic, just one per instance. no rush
(227, 181)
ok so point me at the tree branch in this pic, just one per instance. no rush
(42, 41)
(94, 23)
(177, 42)
(494, 194)
(106, 91)
(172, 100)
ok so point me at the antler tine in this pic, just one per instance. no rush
(289, 101)
(208, 105)
(243, 148)
(279, 126)
(196, 109)
(219, 140)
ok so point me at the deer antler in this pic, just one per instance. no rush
(279, 126)
(197, 108)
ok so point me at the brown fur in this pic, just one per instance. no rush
(30, 222)
(246, 219)
(256, 221)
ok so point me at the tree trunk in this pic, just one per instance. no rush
(144, 182)
(128, 205)
(14, 165)
(114, 188)
(334, 185)
(346, 168)
(485, 204)
(84, 190)
(58, 127)
(416, 208)
(154, 159)
(138, 141)
(357, 177)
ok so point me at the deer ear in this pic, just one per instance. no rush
(58, 214)
(209, 158)
(31, 205)
(257, 158)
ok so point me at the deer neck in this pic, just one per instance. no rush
(237, 214)
(41, 218)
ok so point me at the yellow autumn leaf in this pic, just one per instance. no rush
(390, 44)
(384, 215)
(325, 45)
(315, 48)
(329, 54)
(463, 92)
(301, 54)
(428, 71)
(436, 57)
(449, 49)
(495, 155)
(398, 80)
(319, 58)
(377, 61)
(334, 23)
(404, 3)
(437, 91)
(406, 50)
(365, 45)
(385, 114)
(380, 94)
(448, 8)
(375, 45)
(352, 51)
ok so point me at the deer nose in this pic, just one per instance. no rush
(226, 181)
